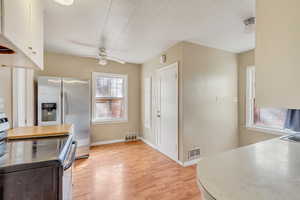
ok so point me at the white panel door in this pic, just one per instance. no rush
(19, 97)
(23, 97)
(167, 113)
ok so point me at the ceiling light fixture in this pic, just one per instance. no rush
(103, 62)
(65, 2)
(250, 24)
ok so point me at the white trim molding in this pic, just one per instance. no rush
(272, 131)
(107, 142)
(183, 164)
(157, 149)
(148, 143)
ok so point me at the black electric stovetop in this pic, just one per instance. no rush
(27, 154)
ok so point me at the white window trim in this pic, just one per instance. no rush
(250, 95)
(273, 131)
(110, 121)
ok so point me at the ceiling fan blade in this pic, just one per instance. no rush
(83, 44)
(115, 59)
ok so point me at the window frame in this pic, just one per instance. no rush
(250, 96)
(112, 75)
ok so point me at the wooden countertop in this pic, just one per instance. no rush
(39, 131)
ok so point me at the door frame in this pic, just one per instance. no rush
(157, 123)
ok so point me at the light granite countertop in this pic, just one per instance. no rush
(267, 170)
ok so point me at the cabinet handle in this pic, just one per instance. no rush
(30, 48)
(34, 52)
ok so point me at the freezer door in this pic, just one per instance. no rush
(76, 111)
(49, 101)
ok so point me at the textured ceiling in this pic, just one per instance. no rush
(137, 30)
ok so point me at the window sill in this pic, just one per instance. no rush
(270, 130)
(98, 122)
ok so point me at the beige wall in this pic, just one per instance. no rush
(6, 91)
(277, 54)
(78, 67)
(210, 109)
(247, 136)
(207, 98)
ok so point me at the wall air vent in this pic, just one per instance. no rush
(194, 154)
(5, 50)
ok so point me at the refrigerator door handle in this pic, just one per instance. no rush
(66, 104)
(64, 107)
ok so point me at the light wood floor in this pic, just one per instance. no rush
(132, 171)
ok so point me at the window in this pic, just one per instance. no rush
(265, 118)
(109, 97)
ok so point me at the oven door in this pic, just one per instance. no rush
(67, 175)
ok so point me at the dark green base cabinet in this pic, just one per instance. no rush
(32, 184)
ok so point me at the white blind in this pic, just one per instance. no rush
(107, 87)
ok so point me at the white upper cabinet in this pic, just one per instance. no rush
(278, 53)
(22, 31)
(15, 21)
(37, 32)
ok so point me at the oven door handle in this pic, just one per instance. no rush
(71, 156)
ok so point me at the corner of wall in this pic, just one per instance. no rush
(246, 136)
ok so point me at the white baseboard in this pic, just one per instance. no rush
(148, 143)
(184, 164)
(107, 142)
(157, 149)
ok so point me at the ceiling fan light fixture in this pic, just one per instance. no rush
(65, 2)
(103, 62)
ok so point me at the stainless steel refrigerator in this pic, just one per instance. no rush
(66, 101)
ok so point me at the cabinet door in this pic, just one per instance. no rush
(37, 32)
(277, 53)
(16, 14)
(32, 184)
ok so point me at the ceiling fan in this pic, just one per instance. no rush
(104, 57)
